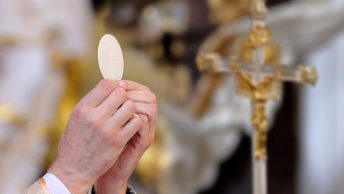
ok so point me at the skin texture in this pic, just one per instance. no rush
(116, 178)
(105, 137)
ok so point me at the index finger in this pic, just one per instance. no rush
(132, 86)
(99, 93)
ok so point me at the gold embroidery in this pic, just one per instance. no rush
(43, 185)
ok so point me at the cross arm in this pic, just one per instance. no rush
(214, 63)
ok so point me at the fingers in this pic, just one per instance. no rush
(145, 103)
(144, 129)
(131, 128)
(151, 110)
(98, 94)
(132, 86)
(110, 105)
(142, 96)
(144, 122)
(143, 135)
(122, 116)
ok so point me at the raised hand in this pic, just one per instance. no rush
(116, 178)
(98, 131)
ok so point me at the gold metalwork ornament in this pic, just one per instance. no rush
(255, 62)
(260, 122)
(309, 75)
(259, 92)
(261, 83)
(269, 88)
(259, 35)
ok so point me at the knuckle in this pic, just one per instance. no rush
(123, 83)
(137, 122)
(93, 122)
(106, 135)
(144, 119)
(107, 85)
(109, 137)
(130, 106)
(80, 111)
(121, 93)
(116, 141)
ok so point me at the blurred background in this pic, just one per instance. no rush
(48, 62)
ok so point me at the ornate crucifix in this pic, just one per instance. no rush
(255, 63)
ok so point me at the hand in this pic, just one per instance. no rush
(96, 134)
(115, 180)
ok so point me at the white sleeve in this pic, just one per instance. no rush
(55, 186)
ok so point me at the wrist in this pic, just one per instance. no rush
(75, 182)
(110, 187)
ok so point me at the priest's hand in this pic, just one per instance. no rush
(97, 132)
(115, 180)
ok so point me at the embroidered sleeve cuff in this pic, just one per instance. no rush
(55, 186)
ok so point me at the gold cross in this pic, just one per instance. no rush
(256, 64)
